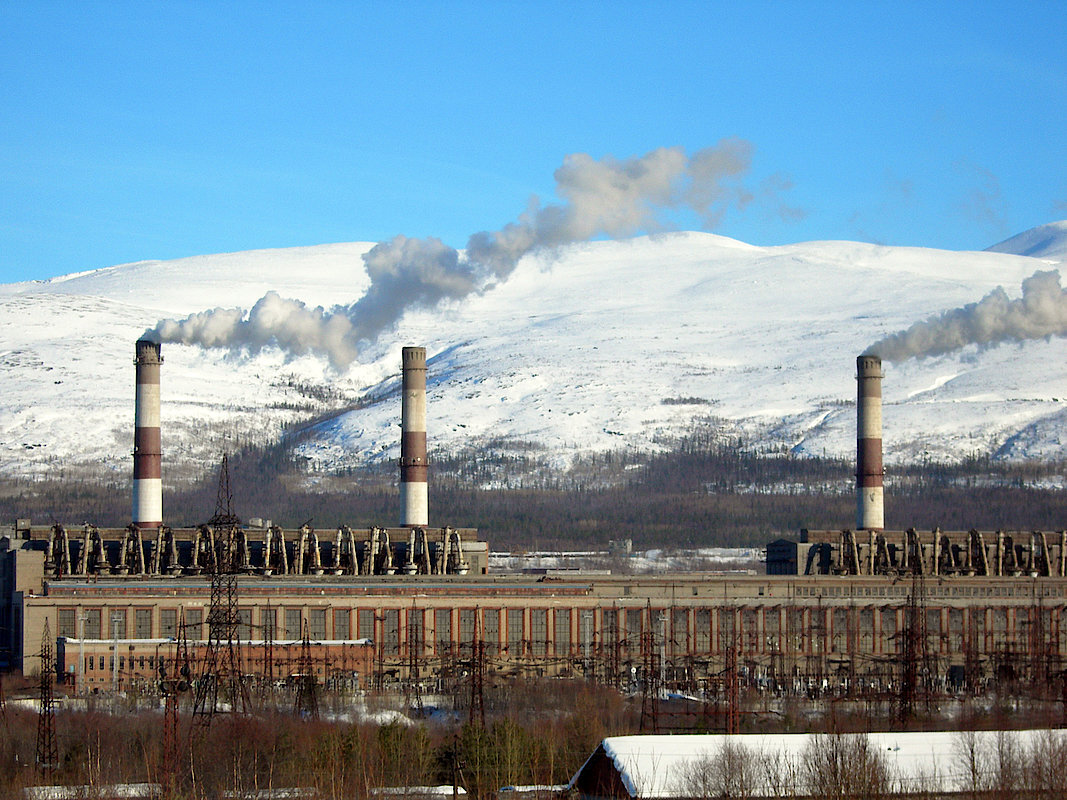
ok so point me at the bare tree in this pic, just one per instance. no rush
(782, 775)
(1043, 775)
(968, 752)
(731, 771)
(840, 766)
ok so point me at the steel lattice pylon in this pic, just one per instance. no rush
(47, 757)
(172, 686)
(307, 701)
(222, 677)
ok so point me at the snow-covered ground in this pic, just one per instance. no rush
(638, 562)
(602, 345)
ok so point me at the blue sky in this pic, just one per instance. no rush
(145, 130)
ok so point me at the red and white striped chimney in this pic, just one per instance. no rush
(147, 449)
(413, 464)
(870, 511)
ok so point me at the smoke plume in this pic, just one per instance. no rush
(1041, 312)
(609, 197)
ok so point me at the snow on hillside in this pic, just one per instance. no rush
(602, 345)
(1044, 241)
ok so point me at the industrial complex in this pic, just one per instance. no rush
(862, 609)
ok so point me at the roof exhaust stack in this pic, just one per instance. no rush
(413, 463)
(870, 510)
(147, 448)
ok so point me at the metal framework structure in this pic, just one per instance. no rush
(222, 677)
(173, 685)
(47, 754)
(306, 704)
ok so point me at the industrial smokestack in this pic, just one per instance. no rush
(413, 467)
(147, 450)
(870, 513)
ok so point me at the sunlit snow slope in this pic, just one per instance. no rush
(602, 345)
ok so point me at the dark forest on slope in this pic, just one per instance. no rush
(707, 492)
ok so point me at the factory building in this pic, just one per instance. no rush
(777, 627)
(381, 603)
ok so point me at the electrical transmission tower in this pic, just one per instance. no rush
(914, 668)
(414, 646)
(477, 673)
(47, 758)
(172, 685)
(222, 677)
(651, 668)
(224, 516)
(307, 701)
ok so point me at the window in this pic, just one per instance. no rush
(633, 628)
(91, 623)
(142, 623)
(116, 618)
(491, 624)
(317, 623)
(365, 623)
(466, 625)
(443, 628)
(268, 623)
(416, 637)
(680, 629)
(168, 623)
(703, 629)
(563, 631)
(610, 627)
(194, 623)
(539, 630)
(342, 623)
(391, 634)
(585, 629)
(66, 622)
(292, 624)
(515, 631)
(244, 624)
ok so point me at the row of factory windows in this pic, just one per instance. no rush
(540, 631)
(933, 590)
(97, 663)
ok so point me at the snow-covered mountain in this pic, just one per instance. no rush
(602, 345)
(1044, 241)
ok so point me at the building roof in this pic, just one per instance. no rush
(655, 766)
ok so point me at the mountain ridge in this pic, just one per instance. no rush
(597, 346)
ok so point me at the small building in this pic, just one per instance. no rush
(680, 767)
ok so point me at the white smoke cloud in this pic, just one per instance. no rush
(1041, 312)
(606, 197)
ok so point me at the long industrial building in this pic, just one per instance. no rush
(858, 607)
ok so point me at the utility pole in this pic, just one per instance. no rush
(82, 615)
(116, 618)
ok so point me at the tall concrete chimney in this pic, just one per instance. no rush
(870, 512)
(147, 450)
(413, 465)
